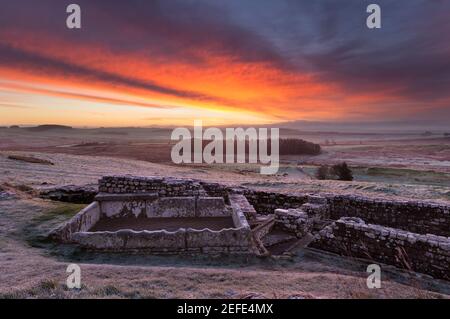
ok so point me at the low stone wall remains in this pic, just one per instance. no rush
(429, 254)
(241, 202)
(83, 221)
(414, 216)
(171, 187)
(293, 221)
(151, 205)
(265, 203)
(164, 242)
(408, 234)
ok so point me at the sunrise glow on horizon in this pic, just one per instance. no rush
(170, 62)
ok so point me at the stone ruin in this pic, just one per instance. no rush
(158, 216)
(174, 216)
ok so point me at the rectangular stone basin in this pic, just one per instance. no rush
(130, 222)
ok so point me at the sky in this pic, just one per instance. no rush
(168, 62)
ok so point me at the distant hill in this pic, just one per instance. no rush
(48, 127)
(366, 126)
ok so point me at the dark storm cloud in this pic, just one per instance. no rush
(165, 29)
(409, 56)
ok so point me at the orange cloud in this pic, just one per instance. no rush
(218, 82)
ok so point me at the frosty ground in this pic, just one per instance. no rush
(32, 267)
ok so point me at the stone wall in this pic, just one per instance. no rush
(293, 221)
(161, 186)
(83, 221)
(240, 202)
(210, 207)
(151, 205)
(405, 246)
(183, 240)
(171, 207)
(266, 202)
(429, 254)
(414, 216)
(215, 190)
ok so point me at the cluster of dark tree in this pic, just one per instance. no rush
(295, 146)
(48, 127)
(290, 146)
(339, 171)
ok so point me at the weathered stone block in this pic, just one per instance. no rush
(211, 207)
(172, 207)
